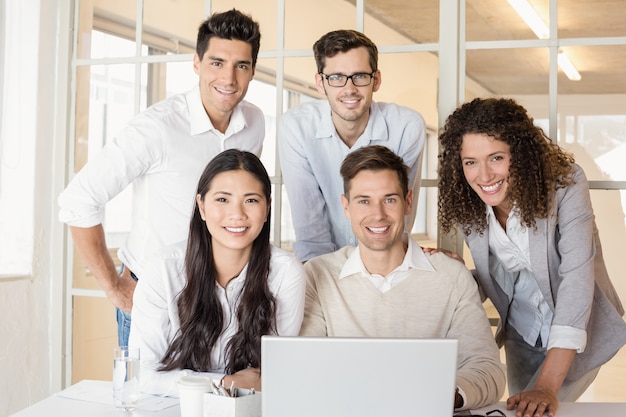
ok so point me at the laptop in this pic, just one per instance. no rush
(357, 377)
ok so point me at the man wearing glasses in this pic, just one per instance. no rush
(315, 137)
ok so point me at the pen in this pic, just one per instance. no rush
(214, 388)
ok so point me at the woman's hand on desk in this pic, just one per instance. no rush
(542, 398)
(534, 403)
(246, 378)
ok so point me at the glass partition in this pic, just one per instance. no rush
(497, 54)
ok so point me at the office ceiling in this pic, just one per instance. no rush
(523, 71)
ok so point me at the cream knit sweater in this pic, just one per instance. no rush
(440, 304)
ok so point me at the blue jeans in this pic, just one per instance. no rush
(123, 320)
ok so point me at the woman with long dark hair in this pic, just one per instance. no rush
(215, 295)
(524, 208)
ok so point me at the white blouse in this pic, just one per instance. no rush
(155, 319)
(529, 312)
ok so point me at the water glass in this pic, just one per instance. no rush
(126, 377)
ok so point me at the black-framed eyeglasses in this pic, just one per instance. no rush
(359, 79)
(495, 413)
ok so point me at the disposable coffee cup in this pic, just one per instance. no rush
(191, 390)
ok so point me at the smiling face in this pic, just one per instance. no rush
(376, 207)
(225, 72)
(486, 162)
(234, 209)
(349, 103)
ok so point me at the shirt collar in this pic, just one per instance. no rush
(490, 212)
(326, 128)
(376, 128)
(200, 121)
(510, 247)
(413, 259)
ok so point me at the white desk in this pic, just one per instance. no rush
(571, 410)
(58, 406)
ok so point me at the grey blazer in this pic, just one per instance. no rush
(566, 258)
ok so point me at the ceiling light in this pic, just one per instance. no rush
(568, 68)
(534, 22)
(531, 18)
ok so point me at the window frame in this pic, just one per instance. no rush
(452, 84)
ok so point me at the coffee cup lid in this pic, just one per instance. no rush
(194, 381)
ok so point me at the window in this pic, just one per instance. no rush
(18, 39)
(425, 67)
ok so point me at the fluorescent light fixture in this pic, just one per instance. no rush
(568, 68)
(531, 18)
(534, 22)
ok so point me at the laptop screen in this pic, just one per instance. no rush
(357, 377)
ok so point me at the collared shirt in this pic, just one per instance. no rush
(156, 318)
(413, 259)
(161, 154)
(311, 153)
(529, 311)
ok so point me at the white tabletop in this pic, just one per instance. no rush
(63, 405)
(97, 401)
(570, 410)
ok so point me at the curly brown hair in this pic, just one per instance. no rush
(538, 166)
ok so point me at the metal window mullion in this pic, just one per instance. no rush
(607, 185)
(145, 59)
(602, 41)
(451, 24)
(553, 82)
(138, 43)
(60, 300)
(360, 15)
(279, 83)
(74, 12)
(461, 53)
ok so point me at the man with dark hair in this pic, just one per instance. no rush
(388, 287)
(314, 138)
(162, 153)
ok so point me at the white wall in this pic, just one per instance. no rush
(30, 357)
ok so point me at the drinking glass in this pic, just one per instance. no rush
(126, 377)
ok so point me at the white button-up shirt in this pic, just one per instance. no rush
(155, 312)
(162, 153)
(529, 313)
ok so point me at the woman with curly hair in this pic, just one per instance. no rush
(524, 208)
(214, 295)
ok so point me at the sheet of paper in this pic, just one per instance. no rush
(101, 392)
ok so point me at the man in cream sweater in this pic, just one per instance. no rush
(387, 286)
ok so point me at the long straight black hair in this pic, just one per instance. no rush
(199, 309)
